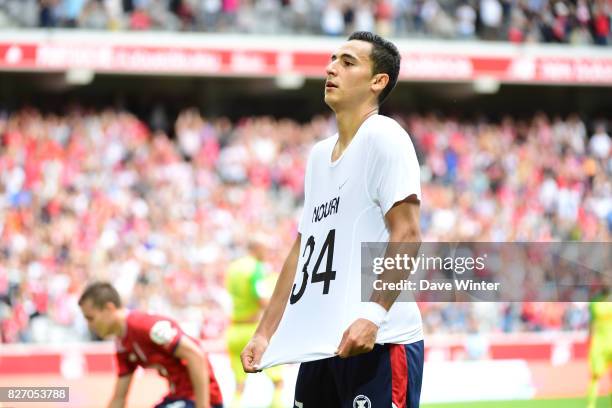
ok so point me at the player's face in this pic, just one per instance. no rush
(259, 251)
(349, 75)
(100, 321)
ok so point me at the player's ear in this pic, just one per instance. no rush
(379, 82)
(110, 306)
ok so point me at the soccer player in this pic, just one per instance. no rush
(600, 347)
(151, 341)
(248, 283)
(361, 185)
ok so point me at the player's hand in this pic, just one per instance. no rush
(359, 338)
(251, 355)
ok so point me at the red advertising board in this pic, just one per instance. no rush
(512, 65)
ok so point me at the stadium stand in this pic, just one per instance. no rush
(554, 21)
(98, 194)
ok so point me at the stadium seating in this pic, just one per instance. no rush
(556, 21)
(98, 194)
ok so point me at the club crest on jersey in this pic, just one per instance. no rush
(326, 209)
(162, 333)
(361, 401)
(132, 357)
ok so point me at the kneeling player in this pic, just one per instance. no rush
(151, 341)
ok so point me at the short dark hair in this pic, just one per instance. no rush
(385, 59)
(100, 293)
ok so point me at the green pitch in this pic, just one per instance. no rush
(602, 402)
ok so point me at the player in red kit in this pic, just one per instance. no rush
(155, 342)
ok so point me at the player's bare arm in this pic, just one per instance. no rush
(122, 386)
(188, 351)
(251, 355)
(403, 222)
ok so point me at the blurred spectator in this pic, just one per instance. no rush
(384, 17)
(466, 20)
(114, 11)
(600, 143)
(94, 16)
(601, 22)
(427, 15)
(184, 11)
(229, 11)
(140, 19)
(332, 22)
(364, 16)
(70, 12)
(561, 25)
(47, 17)
(579, 23)
(490, 18)
(209, 14)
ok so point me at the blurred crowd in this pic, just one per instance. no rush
(161, 212)
(558, 21)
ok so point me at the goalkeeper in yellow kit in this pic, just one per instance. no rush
(600, 348)
(250, 286)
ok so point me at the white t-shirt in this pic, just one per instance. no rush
(345, 204)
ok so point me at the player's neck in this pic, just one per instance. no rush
(121, 328)
(348, 123)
